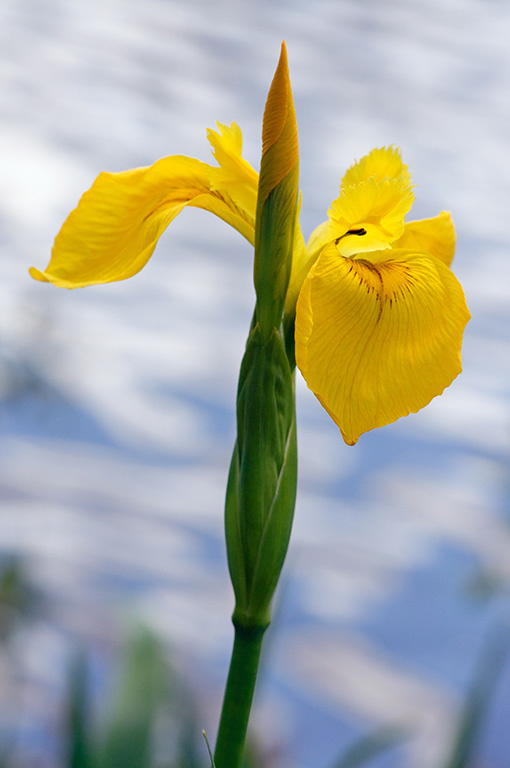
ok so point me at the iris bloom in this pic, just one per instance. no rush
(379, 315)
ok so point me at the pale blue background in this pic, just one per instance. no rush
(117, 401)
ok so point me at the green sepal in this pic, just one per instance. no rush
(274, 238)
(261, 488)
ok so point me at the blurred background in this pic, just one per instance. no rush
(117, 402)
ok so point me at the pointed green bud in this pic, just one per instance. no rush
(277, 200)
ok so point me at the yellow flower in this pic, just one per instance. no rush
(379, 315)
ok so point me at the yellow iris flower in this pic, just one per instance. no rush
(379, 315)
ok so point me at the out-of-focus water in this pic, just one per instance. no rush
(117, 407)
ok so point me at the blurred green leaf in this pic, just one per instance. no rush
(252, 757)
(486, 584)
(80, 750)
(490, 666)
(18, 598)
(130, 726)
(369, 747)
(187, 747)
(151, 719)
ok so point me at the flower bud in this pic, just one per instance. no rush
(277, 200)
(261, 488)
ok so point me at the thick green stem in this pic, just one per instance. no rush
(238, 696)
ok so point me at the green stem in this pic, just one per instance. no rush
(239, 690)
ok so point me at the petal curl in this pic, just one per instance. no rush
(114, 229)
(384, 163)
(435, 236)
(365, 217)
(373, 208)
(235, 175)
(378, 337)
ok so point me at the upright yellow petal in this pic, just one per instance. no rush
(378, 337)
(235, 177)
(435, 236)
(370, 215)
(114, 229)
(369, 204)
(384, 163)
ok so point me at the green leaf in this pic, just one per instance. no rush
(369, 747)
(80, 748)
(487, 675)
(19, 600)
(129, 736)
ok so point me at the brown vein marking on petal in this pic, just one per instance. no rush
(378, 279)
(232, 205)
(174, 200)
(186, 198)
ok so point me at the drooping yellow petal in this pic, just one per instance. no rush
(384, 163)
(114, 229)
(370, 215)
(435, 236)
(378, 337)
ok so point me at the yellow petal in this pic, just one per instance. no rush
(435, 236)
(301, 264)
(303, 259)
(378, 337)
(114, 229)
(365, 218)
(367, 202)
(384, 163)
(319, 238)
(370, 215)
(235, 176)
